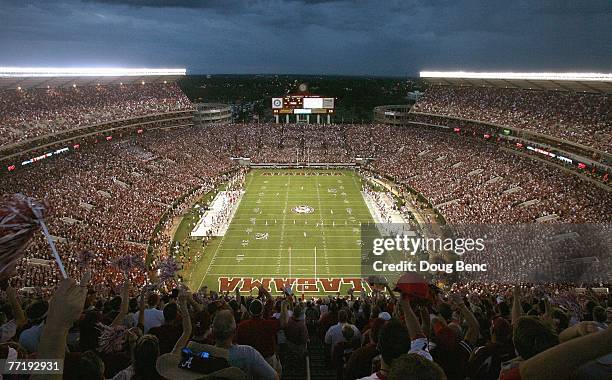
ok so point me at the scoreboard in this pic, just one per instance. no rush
(303, 104)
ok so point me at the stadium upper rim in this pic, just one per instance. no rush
(14, 78)
(578, 82)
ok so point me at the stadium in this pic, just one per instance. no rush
(305, 190)
(133, 185)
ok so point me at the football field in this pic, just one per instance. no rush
(292, 226)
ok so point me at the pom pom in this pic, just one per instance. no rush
(112, 338)
(149, 287)
(128, 262)
(20, 218)
(414, 288)
(168, 269)
(569, 301)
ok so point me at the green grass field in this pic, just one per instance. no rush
(268, 240)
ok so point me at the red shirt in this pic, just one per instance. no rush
(327, 321)
(259, 334)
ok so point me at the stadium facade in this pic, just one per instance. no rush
(212, 113)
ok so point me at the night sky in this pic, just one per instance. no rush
(360, 37)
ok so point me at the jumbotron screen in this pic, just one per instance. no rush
(303, 104)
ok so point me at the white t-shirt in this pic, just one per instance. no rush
(278, 315)
(152, 318)
(334, 335)
(323, 309)
(251, 362)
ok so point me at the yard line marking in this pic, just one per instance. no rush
(322, 227)
(315, 263)
(282, 231)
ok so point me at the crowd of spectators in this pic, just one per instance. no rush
(121, 189)
(26, 114)
(467, 331)
(577, 117)
(472, 182)
(284, 143)
(109, 197)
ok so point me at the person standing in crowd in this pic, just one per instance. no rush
(259, 332)
(153, 317)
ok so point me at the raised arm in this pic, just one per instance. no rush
(517, 309)
(64, 309)
(141, 308)
(471, 336)
(560, 361)
(391, 294)
(182, 342)
(412, 323)
(196, 305)
(266, 295)
(125, 303)
(284, 316)
(237, 295)
(20, 318)
(425, 322)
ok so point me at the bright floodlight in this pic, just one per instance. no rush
(85, 72)
(518, 76)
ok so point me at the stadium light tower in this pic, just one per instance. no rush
(85, 71)
(41, 77)
(578, 82)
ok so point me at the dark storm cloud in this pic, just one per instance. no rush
(194, 3)
(172, 3)
(382, 37)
